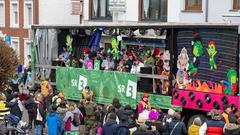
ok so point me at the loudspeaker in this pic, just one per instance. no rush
(145, 84)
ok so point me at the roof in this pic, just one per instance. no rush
(137, 25)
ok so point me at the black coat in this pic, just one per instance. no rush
(110, 128)
(29, 104)
(14, 108)
(180, 129)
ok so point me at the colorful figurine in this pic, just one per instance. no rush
(166, 72)
(182, 64)
(69, 41)
(115, 50)
(212, 52)
(197, 50)
(231, 84)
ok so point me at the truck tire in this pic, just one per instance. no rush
(202, 117)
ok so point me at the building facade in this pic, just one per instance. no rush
(16, 18)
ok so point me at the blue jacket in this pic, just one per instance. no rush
(180, 129)
(54, 123)
(110, 127)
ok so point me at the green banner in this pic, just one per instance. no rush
(164, 102)
(106, 85)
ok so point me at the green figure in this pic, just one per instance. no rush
(69, 41)
(212, 53)
(231, 83)
(197, 50)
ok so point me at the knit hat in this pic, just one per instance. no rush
(142, 117)
(86, 50)
(171, 112)
(197, 121)
(145, 95)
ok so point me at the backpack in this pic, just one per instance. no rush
(76, 120)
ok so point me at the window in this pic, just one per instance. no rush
(14, 14)
(100, 9)
(193, 5)
(15, 45)
(27, 50)
(28, 14)
(236, 4)
(2, 14)
(154, 10)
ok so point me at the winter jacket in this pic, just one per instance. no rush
(162, 127)
(142, 105)
(231, 129)
(179, 129)
(212, 127)
(30, 104)
(193, 130)
(123, 129)
(42, 113)
(4, 110)
(15, 108)
(62, 111)
(54, 123)
(110, 128)
(226, 117)
(68, 121)
(76, 128)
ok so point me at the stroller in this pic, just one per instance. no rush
(15, 126)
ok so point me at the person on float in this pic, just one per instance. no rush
(226, 113)
(87, 93)
(144, 104)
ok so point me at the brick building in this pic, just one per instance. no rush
(16, 18)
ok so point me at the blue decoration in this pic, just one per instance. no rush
(8, 39)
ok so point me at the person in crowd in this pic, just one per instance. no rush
(87, 93)
(68, 120)
(64, 55)
(108, 64)
(194, 128)
(144, 104)
(123, 128)
(54, 122)
(39, 120)
(92, 117)
(30, 105)
(16, 107)
(231, 128)
(116, 104)
(82, 109)
(62, 109)
(110, 110)
(128, 111)
(129, 62)
(86, 58)
(121, 66)
(214, 126)
(136, 67)
(4, 110)
(176, 126)
(111, 126)
(100, 54)
(149, 60)
(226, 113)
(45, 87)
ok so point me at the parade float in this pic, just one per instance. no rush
(197, 67)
